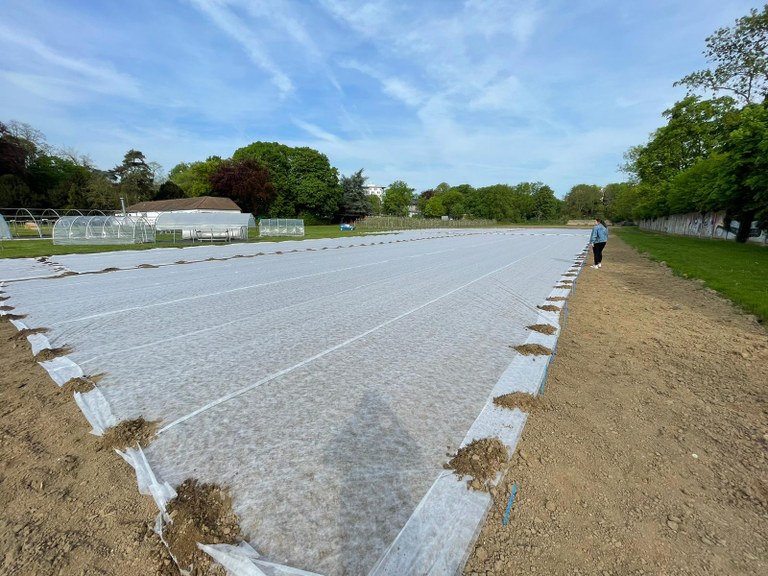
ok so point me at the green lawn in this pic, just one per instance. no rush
(737, 271)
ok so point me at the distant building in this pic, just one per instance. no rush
(150, 210)
(373, 189)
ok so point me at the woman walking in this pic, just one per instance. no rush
(598, 240)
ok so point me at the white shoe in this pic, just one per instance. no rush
(594, 266)
(600, 265)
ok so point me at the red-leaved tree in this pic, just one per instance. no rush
(246, 182)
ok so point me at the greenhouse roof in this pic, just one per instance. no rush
(188, 220)
(198, 203)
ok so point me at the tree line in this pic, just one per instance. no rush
(712, 153)
(265, 178)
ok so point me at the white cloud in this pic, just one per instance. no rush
(64, 70)
(315, 131)
(229, 23)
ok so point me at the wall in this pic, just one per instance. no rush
(708, 225)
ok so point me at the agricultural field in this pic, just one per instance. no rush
(323, 385)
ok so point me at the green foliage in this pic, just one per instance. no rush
(738, 271)
(375, 202)
(169, 190)
(433, 208)
(354, 201)
(303, 179)
(195, 178)
(710, 155)
(398, 197)
(739, 57)
(745, 179)
(134, 178)
(14, 192)
(584, 201)
(620, 201)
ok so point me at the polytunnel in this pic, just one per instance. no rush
(5, 231)
(281, 227)
(100, 229)
(206, 225)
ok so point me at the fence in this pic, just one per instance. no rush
(382, 223)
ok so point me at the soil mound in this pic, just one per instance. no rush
(78, 385)
(522, 401)
(128, 433)
(543, 328)
(21, 334)
(481, 460)
(51, 353)
(533, 350)
(200, 513)
(549, 308)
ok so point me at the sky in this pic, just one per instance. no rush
(477, 92)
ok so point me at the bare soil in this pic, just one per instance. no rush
(647, 455)
(652, 457)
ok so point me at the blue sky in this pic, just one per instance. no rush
(425, 91)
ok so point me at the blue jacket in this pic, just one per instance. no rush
(599, 234)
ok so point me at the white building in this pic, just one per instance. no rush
(373, 189)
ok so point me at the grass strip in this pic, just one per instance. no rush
(737, 271)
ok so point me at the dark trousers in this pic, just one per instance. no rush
(597, 249)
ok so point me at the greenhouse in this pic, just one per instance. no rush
(224, 226)
(5, 232)
(281, 227)
(102, 230)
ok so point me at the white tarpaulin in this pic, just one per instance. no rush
(323, 387)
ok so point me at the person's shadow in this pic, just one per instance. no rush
(378, 465)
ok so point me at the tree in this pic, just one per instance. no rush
(434, 208)
(246, 182)
(423, 198)
(303, 179)
(375, 202)
(398, 198)
(620, 200)
(103, 193)
(58, 182)
(584, 201)
(194, 178)
(168, 190)
(14, 192)
(546, 206)
(744, 181)
(354, 202)
(740, 58)
(18, 148)
(315, 183)
(134, 177)
(453, 203)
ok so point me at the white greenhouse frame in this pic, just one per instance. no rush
(206, 226)
(100, 229)
(281, 227)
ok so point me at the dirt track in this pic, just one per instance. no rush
(649, 456)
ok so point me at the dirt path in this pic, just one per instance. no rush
(648, 456)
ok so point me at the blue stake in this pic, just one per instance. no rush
(509, 506)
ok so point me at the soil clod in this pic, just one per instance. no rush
(481, 460)
(522, 401)
(543, 328)
(200, 513)
(129, 432)
(533, 350)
